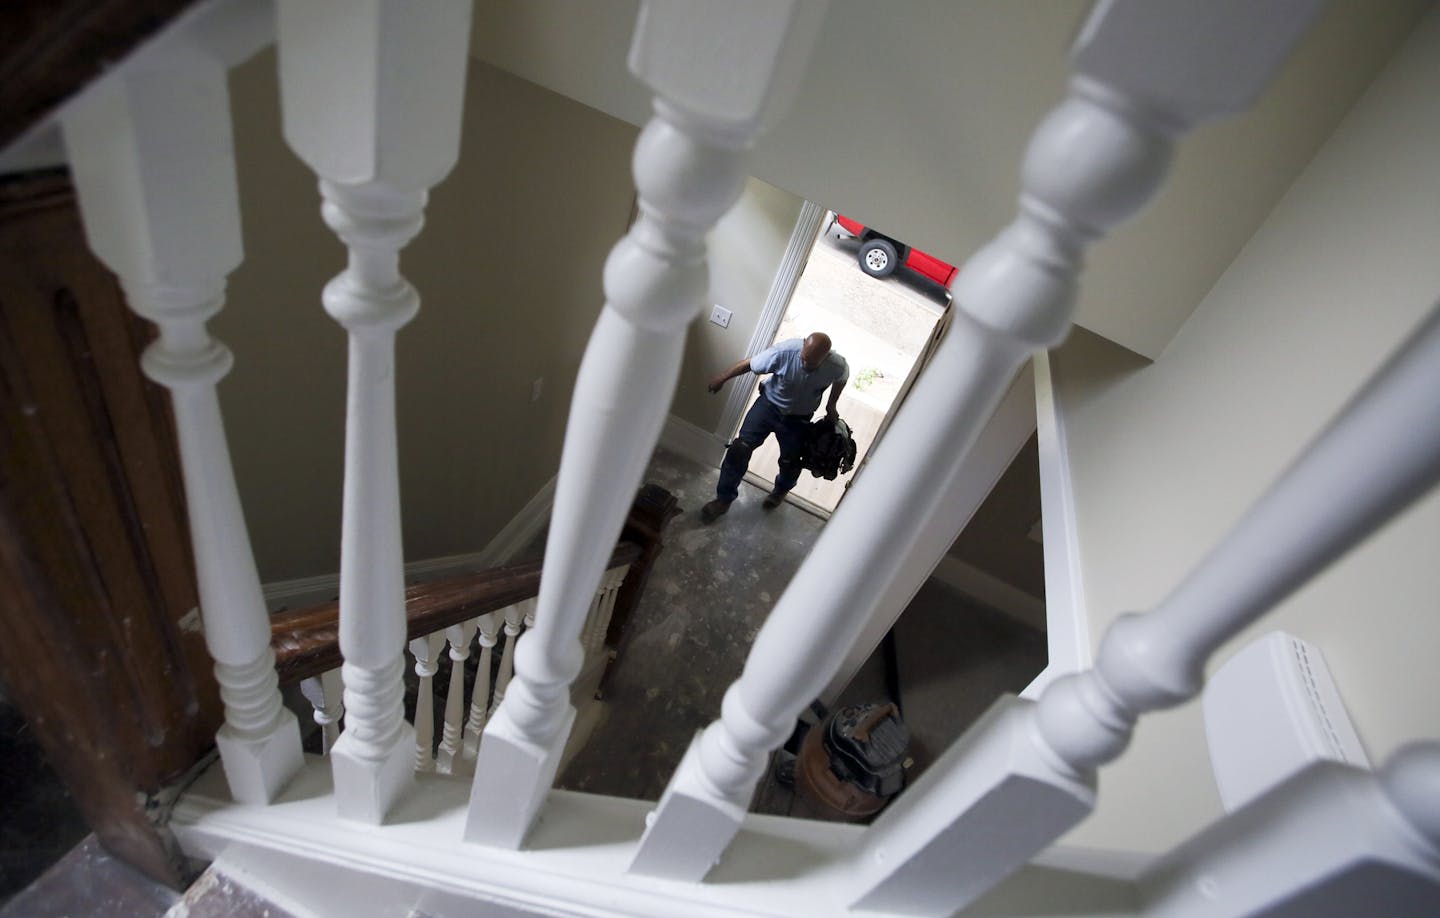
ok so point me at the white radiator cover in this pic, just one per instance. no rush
(1271, 711)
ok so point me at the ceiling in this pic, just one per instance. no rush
(913, 119)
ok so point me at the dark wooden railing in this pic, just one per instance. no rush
(101, 654)
(307, 641)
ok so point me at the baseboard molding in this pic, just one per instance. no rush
(575, 862)
(300, 592)
(992, 591)
(519, 532)
(522, 528)
(692, 442)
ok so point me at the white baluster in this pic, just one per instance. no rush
(1332, 841)
(716, 70)
(324, 694)
(459, 637)
(515, 617)
(426, 651)
(592, 622)
(372, 99)
(153, 162)
(480, 696)
(592, 618)
(1039, 758)
(1094, 161)
(604, 608)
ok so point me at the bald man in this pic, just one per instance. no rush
(800, 371)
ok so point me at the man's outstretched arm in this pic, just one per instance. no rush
(739, 369)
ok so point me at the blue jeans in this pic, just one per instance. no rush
(761, 421)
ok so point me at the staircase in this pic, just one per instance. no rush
(372, 96)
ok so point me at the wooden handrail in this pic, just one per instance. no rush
(307, 641)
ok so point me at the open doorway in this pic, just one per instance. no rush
(880, 317)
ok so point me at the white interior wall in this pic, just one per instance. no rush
(508, 269)
(746, 248)
(913, 118)
(1166, 457)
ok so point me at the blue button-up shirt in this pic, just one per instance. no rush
(794, 389)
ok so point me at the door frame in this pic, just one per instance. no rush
(1031, 404)
(802, 242)
(782, 288)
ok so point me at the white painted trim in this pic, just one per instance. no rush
(519, 532)
(297, 853)
(307, 591)
(792, 265)
(693, 442)
(300, 592)
(991, 591)
(522, 528)
(1002, 439)
(1067, 628)
(1124, 866)
(444, 566)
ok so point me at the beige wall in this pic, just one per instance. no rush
(1166, 458)
(997, 540)
(508, 269)
(913, 118)
(746, 248)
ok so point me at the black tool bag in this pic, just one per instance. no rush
(866, 745)
(829, 448)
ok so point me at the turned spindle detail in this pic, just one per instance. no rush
(448, 755)
(372, 97)
(488, 636)
(689, 168)
(172, 236)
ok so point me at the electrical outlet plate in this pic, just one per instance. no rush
(720, 316)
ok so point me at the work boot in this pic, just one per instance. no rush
(713, 510)
(774, 499)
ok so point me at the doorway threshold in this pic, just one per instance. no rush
(792, 498)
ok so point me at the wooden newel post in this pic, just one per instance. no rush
(653, 510)
(97, 593)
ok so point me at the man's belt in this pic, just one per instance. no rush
(807, 415)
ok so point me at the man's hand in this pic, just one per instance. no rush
(831, 413)
(718, 381)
